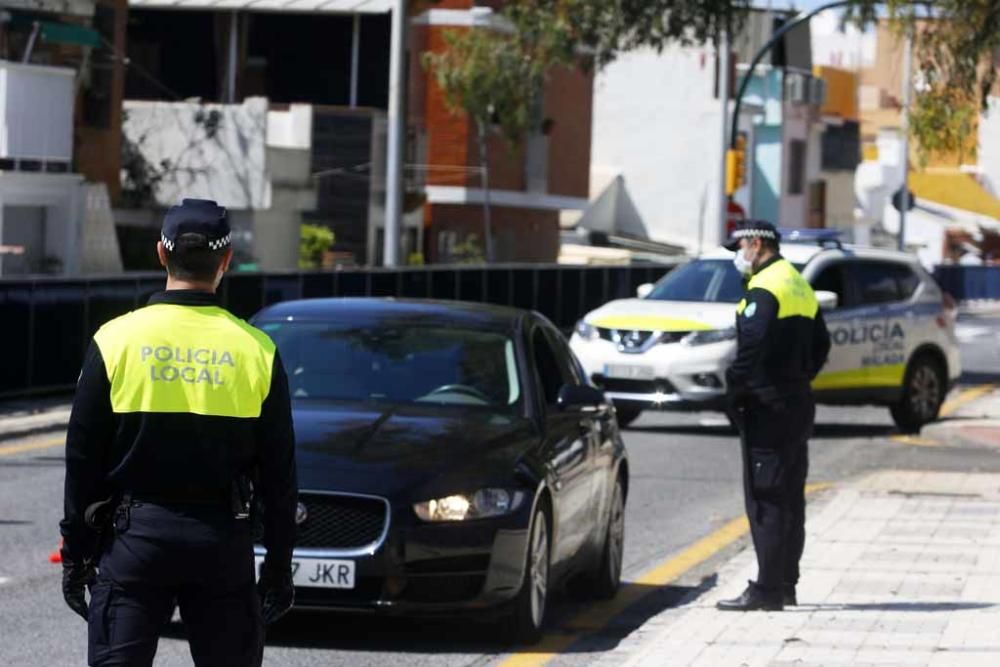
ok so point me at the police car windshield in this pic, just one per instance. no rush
(713, 280)
(386, 362)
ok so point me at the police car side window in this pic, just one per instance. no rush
(832, 279)
(884, 282)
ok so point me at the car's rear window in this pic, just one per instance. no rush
(397, 363)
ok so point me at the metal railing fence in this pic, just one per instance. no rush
(47, 323)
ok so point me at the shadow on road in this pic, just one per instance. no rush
(591, 627)
(830, 430)
(979, 377)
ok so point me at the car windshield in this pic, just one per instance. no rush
(714, 280)
(384, 362)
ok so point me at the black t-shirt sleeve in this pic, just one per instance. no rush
(88, 439)
(752, 326)
(277, 477)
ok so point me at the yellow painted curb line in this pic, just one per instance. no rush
(598, 615)
(965, 396)
(10, 450)
(915, 441)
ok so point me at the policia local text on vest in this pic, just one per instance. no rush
(782, 344)
(180, 410)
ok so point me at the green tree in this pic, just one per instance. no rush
(314, 240)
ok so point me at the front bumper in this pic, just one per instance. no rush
(428, 568)
(678, 376)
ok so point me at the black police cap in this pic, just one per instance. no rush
(752, 229)
(196, 216)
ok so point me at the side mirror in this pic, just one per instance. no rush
(827, 300)
(581, 397)
(643, 291)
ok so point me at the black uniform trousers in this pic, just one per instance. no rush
(775, 466)
(197, 557)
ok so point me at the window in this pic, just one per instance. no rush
(832, 279)
(714, 280)
(796, 166)
(884, 282)
(397, 361)
(551, 373)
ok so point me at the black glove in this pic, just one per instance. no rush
(77, 576)
(277, 593)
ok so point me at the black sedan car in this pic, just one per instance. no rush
(451, 457)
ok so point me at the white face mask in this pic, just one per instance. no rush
(742, 264)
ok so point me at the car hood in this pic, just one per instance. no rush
(652, 315)
(411, 451)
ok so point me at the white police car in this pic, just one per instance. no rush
(891, 326)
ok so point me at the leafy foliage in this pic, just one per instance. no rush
(313, 242)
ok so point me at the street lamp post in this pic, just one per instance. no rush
(394, 138)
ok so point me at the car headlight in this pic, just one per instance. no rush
(586, 331)
(482, 504)
(710, 336)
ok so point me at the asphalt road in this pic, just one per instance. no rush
(685, 485)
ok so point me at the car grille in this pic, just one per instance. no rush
(634, 386)
(341, 521)
(639, 338)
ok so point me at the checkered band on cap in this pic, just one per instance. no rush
(755, 233)
(218, 244)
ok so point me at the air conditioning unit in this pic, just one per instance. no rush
(817, 92)
(797, 88)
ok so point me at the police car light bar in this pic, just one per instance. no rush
(819, 236)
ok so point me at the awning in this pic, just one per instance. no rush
(954, 189)
(290, 6)
(57, 33)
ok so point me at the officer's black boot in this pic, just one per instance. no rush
(753, 598)
(789, 596)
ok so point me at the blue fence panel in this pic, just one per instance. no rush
(969, 282)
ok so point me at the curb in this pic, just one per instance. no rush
(14, 426)
(17, 434)
(953, 433)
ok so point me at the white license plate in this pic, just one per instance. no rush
(629, 372)
(319, 572)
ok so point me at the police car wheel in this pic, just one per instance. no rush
(627, 414)
(527, 612)
(924, 389)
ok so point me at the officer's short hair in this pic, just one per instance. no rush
(771, 244)
(193, 259)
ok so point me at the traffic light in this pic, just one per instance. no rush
(736, 175)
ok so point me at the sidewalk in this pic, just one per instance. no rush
(974, 423)
(899, 568)
(19, 419)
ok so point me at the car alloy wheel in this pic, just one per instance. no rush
(616, 535)
(538, 575)
(925, 393)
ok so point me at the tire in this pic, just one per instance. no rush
(527, 614)
(604, 582)
(924, 389)
(627, 414)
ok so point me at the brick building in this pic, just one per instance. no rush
(529, 186)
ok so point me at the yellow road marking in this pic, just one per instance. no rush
(598, 615)
(10, 450)
(915, 441)
(965, 396)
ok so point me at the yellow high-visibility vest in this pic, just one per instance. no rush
(186, 359)
(794, 295)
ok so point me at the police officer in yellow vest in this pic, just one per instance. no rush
(180, 408)
(782, 343)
